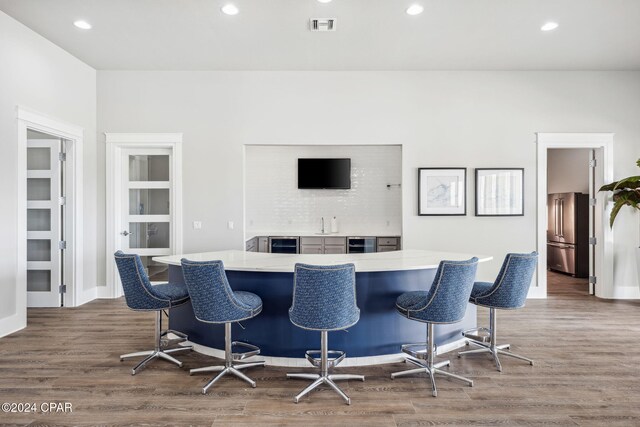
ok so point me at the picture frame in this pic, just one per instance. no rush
(499, 192)
(442, 191)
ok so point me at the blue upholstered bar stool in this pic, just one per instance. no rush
(141, 295)
(445, 302)
(214, 301)
(324, 299)
(508, 292)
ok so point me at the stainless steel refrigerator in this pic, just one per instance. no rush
(568, 233)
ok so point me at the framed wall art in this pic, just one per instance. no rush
(442, 191)
(499, 192)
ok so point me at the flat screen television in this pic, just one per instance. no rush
(324, 174)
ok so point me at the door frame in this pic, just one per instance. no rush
(73, 260)
(604, 234)
(115, 143)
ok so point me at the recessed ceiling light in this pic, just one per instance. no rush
(83, 25)
(324, 1)
(549, 26)
(230, 9)
(415, 9)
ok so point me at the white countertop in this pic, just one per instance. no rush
(411, 259)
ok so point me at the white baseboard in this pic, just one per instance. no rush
(293, 362)
(536, 292)
(626, 292)
(12, 324)
(87, 295)
(102, 292)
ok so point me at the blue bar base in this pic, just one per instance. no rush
(380, 331)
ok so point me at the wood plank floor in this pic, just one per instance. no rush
(587, 372)
(564, 284)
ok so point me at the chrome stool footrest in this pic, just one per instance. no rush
(418, 350)
(331, 361)
(253, 350)
(482, 335)
(166, 342)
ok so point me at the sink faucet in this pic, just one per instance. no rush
(322, 225)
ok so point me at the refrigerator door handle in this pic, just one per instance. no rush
(555, 217)
(561, 245)
(561, 218)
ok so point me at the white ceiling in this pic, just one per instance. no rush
(371, 34)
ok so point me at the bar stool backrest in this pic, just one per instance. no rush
(512, 284)
(212, 298)
(324, 297)
(446, 301)
(138, 291)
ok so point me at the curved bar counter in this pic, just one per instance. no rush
(380, 278)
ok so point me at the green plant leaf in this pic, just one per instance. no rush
(628, 183)
(625, 192)
(614, 212)
(609, 187)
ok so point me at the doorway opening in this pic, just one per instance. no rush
(565, 210)
(49, 243)
(569, 221)
(144, 201)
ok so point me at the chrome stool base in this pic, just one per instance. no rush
(324, 377)
(160, 351)
(230, 357)
(428, 366)
(432, 371)
(154, 354)
(486, 340)
(495, 351)
(224, 370)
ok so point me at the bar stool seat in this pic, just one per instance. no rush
(176, 293)
(480, 289)
(410, 300)
(252, 302)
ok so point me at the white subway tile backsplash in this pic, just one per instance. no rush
(274, 202)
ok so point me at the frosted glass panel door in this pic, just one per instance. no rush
(44, 230)
(147, 210)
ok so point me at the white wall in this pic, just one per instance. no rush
(568, 170)
(39, 75)
(472, 119)
(275, 204)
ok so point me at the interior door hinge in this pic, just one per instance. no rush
(62, 244)
(593, 163)
(593, 241)
(62, 201)
(593, 202)
(593, 279)
(62, 289)
(62, 156)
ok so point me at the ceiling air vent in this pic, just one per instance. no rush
(322, 24)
